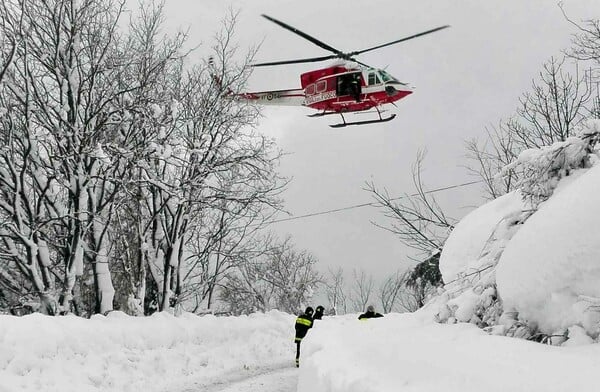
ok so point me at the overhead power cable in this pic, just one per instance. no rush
(373, 204)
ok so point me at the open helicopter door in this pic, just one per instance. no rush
(349, 84)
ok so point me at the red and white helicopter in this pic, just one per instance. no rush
(350, 86)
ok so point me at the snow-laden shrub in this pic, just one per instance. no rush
(469, 261)
(540, 169)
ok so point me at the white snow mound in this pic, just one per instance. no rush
(549, 271)
(462, 251)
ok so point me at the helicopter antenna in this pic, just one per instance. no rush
(349, 56)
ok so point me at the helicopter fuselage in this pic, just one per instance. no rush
(338, 88)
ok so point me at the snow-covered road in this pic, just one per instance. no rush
(281, 378)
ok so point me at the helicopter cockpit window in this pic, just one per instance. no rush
(386, 77)
(373, 79)
(310, 89)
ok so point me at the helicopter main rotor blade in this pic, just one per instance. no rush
(400, 40)
(303, 35)
(307, 60)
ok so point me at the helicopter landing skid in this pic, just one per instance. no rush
(379, 120)
(320, 114)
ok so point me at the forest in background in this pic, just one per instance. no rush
(129, 180)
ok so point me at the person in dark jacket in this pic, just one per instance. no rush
(318, 313)
(304, 322)
(370, 313)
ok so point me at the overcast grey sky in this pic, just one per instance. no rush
(467, 77)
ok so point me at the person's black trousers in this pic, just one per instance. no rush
(298, 353)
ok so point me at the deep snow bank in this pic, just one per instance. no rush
(552, 264)
(407, 353)
(469, 259)
(123, 353)
(464, 250)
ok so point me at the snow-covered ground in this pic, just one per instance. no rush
(409, 353)
(256, 354)
(157, 353)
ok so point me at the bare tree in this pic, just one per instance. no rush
(586, 47)
(283, 279)
(595, 108)
(586, 43)
(60, 89)
(197, 154)
(336, 291)
(553, 108)
(417, 220)
(414, 297)
(294, 276)
(361, 291)
(422, 225)
(244, 290)
(11, 32)
(391, 291)
(550, 112)
(228, 237)
(114, 153)
(490, 156)
(213, 154)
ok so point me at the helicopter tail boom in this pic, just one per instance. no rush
(293, 97)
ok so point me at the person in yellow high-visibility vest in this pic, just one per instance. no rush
(304, 322)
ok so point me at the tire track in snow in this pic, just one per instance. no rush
(277, 378)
